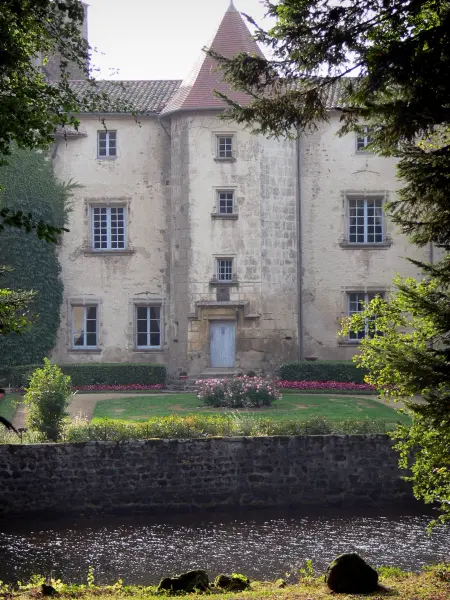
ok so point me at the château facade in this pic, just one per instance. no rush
(197, 244)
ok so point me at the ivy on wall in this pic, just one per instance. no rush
(28, 184)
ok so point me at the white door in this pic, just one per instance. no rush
(222, 335)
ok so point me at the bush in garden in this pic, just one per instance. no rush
(238, 392)
(47, 398)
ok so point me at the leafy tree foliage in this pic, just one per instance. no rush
(33, 105)
(385, 63)
(14, 309)
(29, 184)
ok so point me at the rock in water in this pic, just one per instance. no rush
(232, 583)
(350, 574)
(186, 582)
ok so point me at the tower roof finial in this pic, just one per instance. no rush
(232, 7)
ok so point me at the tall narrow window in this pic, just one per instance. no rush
(224, 146)
(108, 227)
(365, 220)
(84, 326)
(225, 201)
(357, 302)
(148, 326)
(106, 143)
(224, 269)
(363, 139)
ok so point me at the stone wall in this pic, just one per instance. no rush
(158, 475)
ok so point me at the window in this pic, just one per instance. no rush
(363, 139)
(107, 143)
(225, 202)
(357, 302)
(224, 269)
(224, 146)
(108, 227)
(365, 220)
(84, 326)
(148, 327)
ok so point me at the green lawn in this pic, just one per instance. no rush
(8, 405)
(292, 406)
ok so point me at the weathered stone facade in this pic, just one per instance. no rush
(294, 269)
(159, 475)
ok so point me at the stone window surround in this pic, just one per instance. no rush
(344, 241)
(89, 204)
(357, 289)
(85, 300)
(145, 300)
(214, 281)
(226, 216)
(214, 143)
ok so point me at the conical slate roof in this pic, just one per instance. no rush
(197, 91)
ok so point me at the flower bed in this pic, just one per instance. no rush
(238, 392)
(325, 385)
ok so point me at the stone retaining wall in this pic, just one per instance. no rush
(155, 475)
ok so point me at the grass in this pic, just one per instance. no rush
(292, 407)
(431, 584)
(8, 405)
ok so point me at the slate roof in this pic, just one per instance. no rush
(140, 96)
(197, 91)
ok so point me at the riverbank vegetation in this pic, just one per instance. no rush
(433, 583)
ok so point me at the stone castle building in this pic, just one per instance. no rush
(196, 244)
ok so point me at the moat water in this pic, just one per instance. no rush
(261, 544)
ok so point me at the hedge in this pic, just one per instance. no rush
(97, 374)
(322, 370)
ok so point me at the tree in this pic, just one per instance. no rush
(14, 308)
(29, 184)
(386, 62)
(33, 34)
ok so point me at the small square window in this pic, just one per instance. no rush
(225, 148)
(365, 220)
(108, 227)
(224, 269)
(357, 302)
(106, 144)
(225, 202)
(148, 327)
(363, 139)
(85, 326)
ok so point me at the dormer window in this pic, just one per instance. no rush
(224, 147)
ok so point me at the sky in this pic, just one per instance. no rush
(155, 39)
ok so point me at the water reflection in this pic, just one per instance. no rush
(263, 544)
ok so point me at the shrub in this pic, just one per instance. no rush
(322, 370)
(99, 374)
(201, 426)
(238, 392)
(47, 398)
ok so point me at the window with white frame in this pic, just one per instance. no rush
(106, 144)
(148, 327)
(224, 269)
(108, 227)
(365, 220)
(224, 148)
(225, 202)
(357, 302)
(363, 139)
(85, 326)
